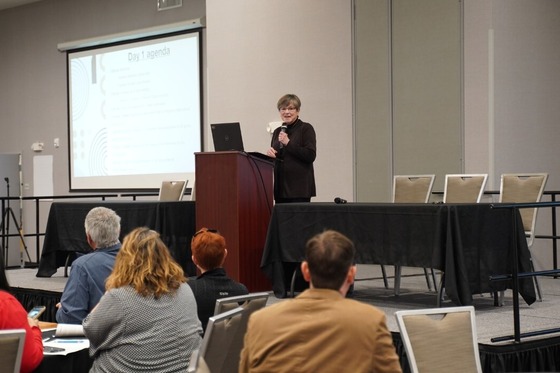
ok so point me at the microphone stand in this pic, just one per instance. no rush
(5, 229)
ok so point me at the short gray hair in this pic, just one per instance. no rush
(287, 100)
(103, 225)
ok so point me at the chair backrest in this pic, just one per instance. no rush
(440, 339)
(523, 188)
(197, 364)
(412, 188)
(218, 338)
(193, 191)
(172, 190)
(249, 303)
(11, 349)
(464, 188)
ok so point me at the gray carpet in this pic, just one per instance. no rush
(491, 321)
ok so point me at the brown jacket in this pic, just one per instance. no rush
(319, 331)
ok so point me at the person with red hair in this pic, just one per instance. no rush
(209, 252)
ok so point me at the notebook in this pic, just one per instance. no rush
(227, 136)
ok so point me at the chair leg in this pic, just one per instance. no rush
(428, 279)
(499, 298)
(398, 271)
(434, 279)
(536, 282)
(440, 292)
(538, 287)
(293, 283)
(384, 273)
(66, 264)
(397, 287)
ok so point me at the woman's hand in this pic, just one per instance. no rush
(271, 153)
(33, 322)
(283, 138)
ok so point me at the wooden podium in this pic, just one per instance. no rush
(234, 195)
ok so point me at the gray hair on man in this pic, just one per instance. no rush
(103, 226)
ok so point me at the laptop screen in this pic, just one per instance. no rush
(227, 136)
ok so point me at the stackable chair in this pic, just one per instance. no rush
(193, 191)
(440, 340)
(172, 190)
(249, 303)
(219, 337)
(461, 188)
(11, 349)
(525, 188)
(197, 364)
(464, 188)
(411, 189)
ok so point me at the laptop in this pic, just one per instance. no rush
(227, 136)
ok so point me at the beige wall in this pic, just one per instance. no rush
(512, 91)
(408, 87)
(260, 50)
(373, 126)
(426, 92)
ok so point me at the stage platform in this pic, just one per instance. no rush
(535, 354)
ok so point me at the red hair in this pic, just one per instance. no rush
(208, 248)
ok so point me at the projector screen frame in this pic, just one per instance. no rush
(133, 39)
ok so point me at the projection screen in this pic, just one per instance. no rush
(134, 112)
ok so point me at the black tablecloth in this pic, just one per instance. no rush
(64, 234)
(470, 242)
(76, 362)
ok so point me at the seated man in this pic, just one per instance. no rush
(209, 252)
(86, 283)
(320, 330)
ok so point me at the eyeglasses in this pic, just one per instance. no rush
(288, 109)
(204, 230)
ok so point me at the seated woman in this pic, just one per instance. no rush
(209, 252)
(146, 321)
(14, 316)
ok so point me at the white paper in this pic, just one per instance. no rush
(74, 340)
(69, 345)
(69, 330)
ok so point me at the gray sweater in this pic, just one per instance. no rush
(131, 333)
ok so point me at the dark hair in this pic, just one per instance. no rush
(4, 285)
(209, 248)
(329, 255)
